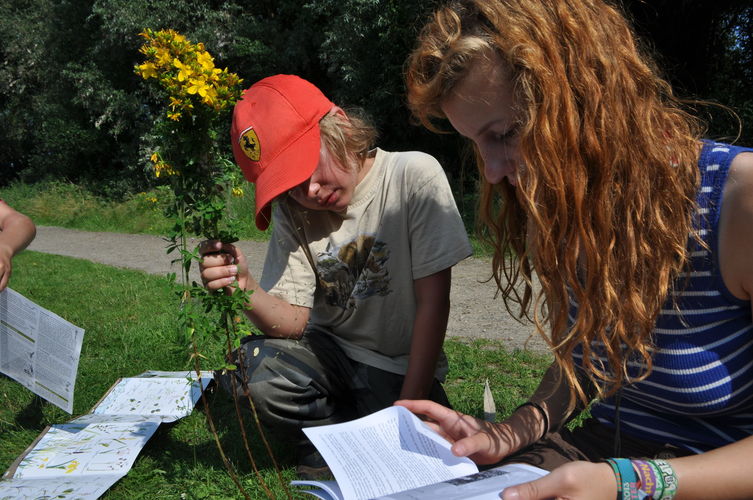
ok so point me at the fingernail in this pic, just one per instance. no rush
(509, 494)
(233, 269)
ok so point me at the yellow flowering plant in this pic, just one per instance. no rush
(197, 97)
(186, 71)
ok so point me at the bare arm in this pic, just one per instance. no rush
(487, 443)
(429, 328)
(225, 266)
(726, 471)
(721, 474)
(16, 232)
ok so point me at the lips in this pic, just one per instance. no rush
(330, 200)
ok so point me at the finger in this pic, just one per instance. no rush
(451, 420)
(217, 277)
(221, 283)
(430, 409)
(583, 480)
(211, 260)
(209, 246)
(429, 422)
(436, 428)
(236, 253)
(477, 446)
(541, 489)
(459, 429)
(219, 272)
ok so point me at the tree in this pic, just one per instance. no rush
(72, 109)
(705, 48)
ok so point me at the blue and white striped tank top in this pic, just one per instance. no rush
(699, 395)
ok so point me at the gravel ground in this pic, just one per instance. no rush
(474, 313)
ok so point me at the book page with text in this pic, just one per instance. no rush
(485, 485)
(386, 452)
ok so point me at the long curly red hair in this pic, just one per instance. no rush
(604, 211)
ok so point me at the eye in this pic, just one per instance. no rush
(301, 189)
(508, 134)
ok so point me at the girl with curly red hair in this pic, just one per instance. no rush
(597, 183)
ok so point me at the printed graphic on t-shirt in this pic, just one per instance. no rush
(355, 270)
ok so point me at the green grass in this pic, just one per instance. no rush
(68, 205)
(129, 321)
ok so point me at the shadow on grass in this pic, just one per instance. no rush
(182, 450)
(32, 415)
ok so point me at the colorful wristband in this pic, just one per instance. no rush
(669, 478)
(649, 478)
(617, 476)
(627, 479)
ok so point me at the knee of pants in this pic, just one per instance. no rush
(283, 395)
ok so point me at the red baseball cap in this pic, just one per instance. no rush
(275, 136)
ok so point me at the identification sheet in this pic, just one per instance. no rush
(39, 349)
(81, 459)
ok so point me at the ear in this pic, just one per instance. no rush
(337, 110)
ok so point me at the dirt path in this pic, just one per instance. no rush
(474, 313)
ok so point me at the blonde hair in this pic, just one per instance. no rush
(348, 137)
(605, 208)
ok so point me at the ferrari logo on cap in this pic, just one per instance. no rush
(249, 143)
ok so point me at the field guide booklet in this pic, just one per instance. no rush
(391, 454)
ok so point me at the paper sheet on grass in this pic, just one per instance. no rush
(162, 398)
(84, 457)
(39, 349)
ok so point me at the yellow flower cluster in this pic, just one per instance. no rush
(162, 167)
(187, 72)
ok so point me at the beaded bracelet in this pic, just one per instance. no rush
(543, 414)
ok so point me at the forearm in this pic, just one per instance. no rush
(723, 473)
(551, 396)
(426, 346)
(18, 231)
(274, 316)
(429, 328)
(554, 396)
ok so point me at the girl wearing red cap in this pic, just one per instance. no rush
(354, 297)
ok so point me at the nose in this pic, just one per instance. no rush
(313, 188)
(494, 169)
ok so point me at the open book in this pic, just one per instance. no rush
(391, 454)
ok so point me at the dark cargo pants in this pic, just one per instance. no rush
(309, 382)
